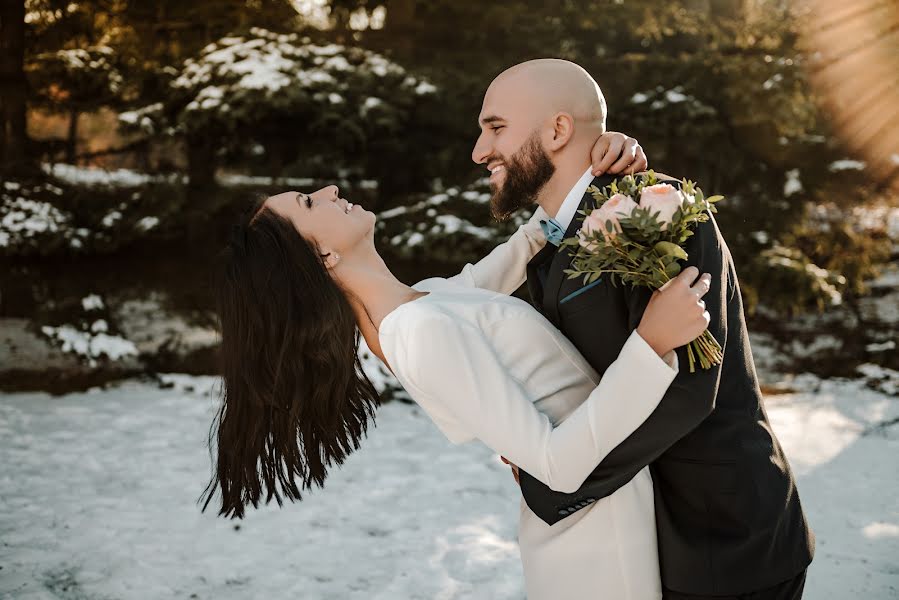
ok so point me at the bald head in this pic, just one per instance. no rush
(547, 86)
(538, 124)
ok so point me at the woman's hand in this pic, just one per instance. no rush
(616, 153)
(676, 313)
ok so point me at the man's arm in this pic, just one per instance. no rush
(689, 400)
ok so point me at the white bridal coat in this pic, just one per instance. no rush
(488, 366)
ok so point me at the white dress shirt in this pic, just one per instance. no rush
(573, 200)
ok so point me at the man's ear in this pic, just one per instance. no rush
(562, 131)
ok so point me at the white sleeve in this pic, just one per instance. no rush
(456, 369)
(505, 268)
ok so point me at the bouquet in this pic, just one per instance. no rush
(636, 234)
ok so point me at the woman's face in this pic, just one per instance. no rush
(335, 225)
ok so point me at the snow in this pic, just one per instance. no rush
(676, 95)
(425, 88)
(90, 344)
(878, 217)
(28, 217)
(639, 98)
(111, 218)
(475, 196)
(773, 81)
(452, 224)
(819, 344)
(880, 378)
(147, 223)
(127, 178)
(661, 98)
(760, 237)
(99, 492)
(792, 185)
(235, 179)
(91, 176)
(248, 71)
(370, 103)
(377, 373)
(92, 302)
(25, 221)
(881, 347)
(846, 165)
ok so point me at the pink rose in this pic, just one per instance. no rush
(663, 199)
(614, 208)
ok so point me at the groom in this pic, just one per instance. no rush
(728, 515)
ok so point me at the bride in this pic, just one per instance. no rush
(302, 279)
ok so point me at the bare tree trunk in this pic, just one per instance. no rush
(13, 86)
(72, 138)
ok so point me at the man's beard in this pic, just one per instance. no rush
(527, 171)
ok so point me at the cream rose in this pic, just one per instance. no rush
(663, 199)
(613, 209)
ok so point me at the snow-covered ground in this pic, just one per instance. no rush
(98, 498)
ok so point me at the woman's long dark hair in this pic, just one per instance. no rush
(295, 397)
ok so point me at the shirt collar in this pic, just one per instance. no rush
(573, 199)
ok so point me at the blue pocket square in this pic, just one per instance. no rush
(576, 293)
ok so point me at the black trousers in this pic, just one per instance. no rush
(788, 590)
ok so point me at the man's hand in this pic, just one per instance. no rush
(616, 153)
(514, 469)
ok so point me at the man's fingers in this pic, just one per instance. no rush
(616, 143)
(702, 285)
(687, 277)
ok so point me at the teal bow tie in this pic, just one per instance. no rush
(553, 231)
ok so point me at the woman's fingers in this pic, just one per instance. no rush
(628, 154)
(610, 150)
(641, 163)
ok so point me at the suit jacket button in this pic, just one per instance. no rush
(563, 512)
(591, 500)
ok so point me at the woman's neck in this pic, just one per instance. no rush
(374, 293)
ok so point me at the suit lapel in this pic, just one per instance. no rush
(562, 259)
(535, 285)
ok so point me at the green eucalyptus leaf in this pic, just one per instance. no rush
(669, 249)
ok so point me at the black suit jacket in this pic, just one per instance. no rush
(728, 516)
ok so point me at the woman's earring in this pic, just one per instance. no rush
(336, 257)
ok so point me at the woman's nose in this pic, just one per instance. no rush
(333, 192)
